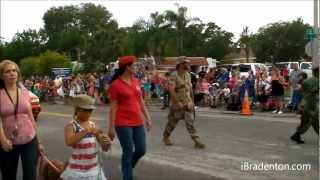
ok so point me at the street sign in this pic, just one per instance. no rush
(310, 34)
(61, 72)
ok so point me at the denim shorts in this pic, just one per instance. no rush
(278, 97)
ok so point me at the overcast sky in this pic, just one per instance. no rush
(232, 16)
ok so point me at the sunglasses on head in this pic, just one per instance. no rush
(86, 110)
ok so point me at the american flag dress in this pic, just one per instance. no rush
(83, 163)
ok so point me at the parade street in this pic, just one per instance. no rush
(231, 141)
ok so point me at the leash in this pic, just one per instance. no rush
(48, 161)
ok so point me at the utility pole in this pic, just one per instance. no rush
(316, 41)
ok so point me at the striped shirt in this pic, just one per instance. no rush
(84, 153)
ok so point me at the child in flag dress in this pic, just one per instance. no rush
(83, 136)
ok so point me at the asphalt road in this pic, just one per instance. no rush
(231, 140)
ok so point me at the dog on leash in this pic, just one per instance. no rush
(50, 169)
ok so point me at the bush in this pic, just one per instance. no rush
(50, 59)
(30, 66)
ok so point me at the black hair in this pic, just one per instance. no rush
(315, 72)
(177, 66)
(119, 72)
(304, 75)
(1, 83)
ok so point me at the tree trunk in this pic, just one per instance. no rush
(247, 54)
(78, 54)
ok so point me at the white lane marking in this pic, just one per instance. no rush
(239, 117)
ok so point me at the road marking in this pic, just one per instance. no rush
(238, 117)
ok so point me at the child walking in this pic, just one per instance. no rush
(82, 135)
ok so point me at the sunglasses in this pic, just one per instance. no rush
(86, 110)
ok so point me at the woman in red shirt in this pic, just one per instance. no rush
(127, 107)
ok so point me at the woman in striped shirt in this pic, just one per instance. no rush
(82, 135)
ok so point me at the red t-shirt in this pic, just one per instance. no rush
(128, 99)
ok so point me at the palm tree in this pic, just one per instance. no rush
(244, 42)
(179, 21)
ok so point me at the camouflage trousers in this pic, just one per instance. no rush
(308, 119)
(174, 116)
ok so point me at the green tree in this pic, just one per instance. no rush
(280, 41)
(25, 44)
(57, 20)
(245, 42)
(1, 48)
(51, 59)
(195, 41)
(179, 21)
(85, 32)
(30, 66)
(217, 42)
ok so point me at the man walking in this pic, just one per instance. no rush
(310, 104)
(182, 106)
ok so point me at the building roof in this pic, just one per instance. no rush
(194, 61)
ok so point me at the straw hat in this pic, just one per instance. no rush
(83, 101)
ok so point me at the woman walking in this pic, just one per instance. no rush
(127, 107)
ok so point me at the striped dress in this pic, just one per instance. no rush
(83, 163)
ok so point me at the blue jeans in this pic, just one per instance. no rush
(133, 144)
(296, 99)
(29, 156)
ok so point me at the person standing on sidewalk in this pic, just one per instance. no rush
(294, 78)
(182, 106)
(126, 109)
(310, 107)
(277, 90)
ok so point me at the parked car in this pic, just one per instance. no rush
(35, 102)
(307, 68)
(289, 65)
(304, 66)
(35, 105)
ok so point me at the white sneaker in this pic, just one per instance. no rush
(275, 111)
(280, 112)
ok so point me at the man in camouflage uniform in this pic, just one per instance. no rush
(309, 107)
(182, 106)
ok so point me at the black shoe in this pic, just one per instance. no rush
(164, 107)
(297, 138)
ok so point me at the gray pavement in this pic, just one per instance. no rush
(231, 141)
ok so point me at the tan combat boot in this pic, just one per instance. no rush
(167, 141)
(198, 144)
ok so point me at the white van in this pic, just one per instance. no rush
(289, 65)
(303, 66)
(245, 67)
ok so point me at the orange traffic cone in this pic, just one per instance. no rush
(246, 105)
